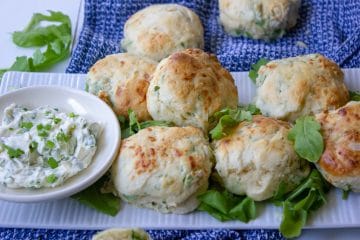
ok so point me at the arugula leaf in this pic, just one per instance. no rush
(307, 197)
(93, 197)
(253, 73)
(244, 211)
(354, 96)
(293, 221)
(308, 141)
(228, 118)
(12, 152)
(56, 38)
(226, 206)
(129, 128)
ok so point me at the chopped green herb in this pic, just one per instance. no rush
(156, 88)
(72, 115)
(33, 146)
(26, 125)
(57, 120)
(62, 137)
(307, 138)
(12, 152)
(52, 163)
(253, 73)
(51, 178)
(49, 144)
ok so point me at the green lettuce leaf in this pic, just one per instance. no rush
(297, 204)
(93, 197)
(307, 138)
(253, 73)
(354, 96)
(56, 38)
(226, 206)
(132, 126)
(228, 118)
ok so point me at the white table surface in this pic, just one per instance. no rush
(15, 14)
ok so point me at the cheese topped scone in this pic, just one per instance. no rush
(163, 168)
(162, 29)
(340, 162)
(188, 87)
(293, 87)
(122, 80)
(258, 19)
(256, 157)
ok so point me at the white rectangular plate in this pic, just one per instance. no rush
(69, 214)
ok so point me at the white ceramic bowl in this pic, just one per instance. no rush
(79, 102)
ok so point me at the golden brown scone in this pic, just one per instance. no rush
(163, 168)
(122, 234)
(188, 87)
(258, 19)
(257, 156)
(161, 29)
(122, 80)
(293, 87)
(340, 162)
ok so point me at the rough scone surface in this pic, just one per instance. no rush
(293, 87)
(122, 80)
(258, 19)
(162, 29)
(188, 87)
(340, 162)
(256, 157)
(163, 168)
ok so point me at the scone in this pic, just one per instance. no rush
(258, 19)
(188, 87)
(163, 168)
(162, 29)
(122, 80)
(340, 162)
(293, 87)
(256, 157)
(121, 234)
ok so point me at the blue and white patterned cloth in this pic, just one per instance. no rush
(330, 27)
(220, 234)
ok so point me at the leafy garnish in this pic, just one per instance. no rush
(56, 38)
(52, 163)
(354, 96)
(33, 146)
(93, 197)
(226, 206)
(51, 178)
(307, 197)
(12, 152)
(345, 194)
(132, 126)
(26, 125)
(307, 138)
(49, 144)
(228, 118)
(62, 137)
(253, 73)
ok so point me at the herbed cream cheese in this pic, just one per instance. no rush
(43, 147)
